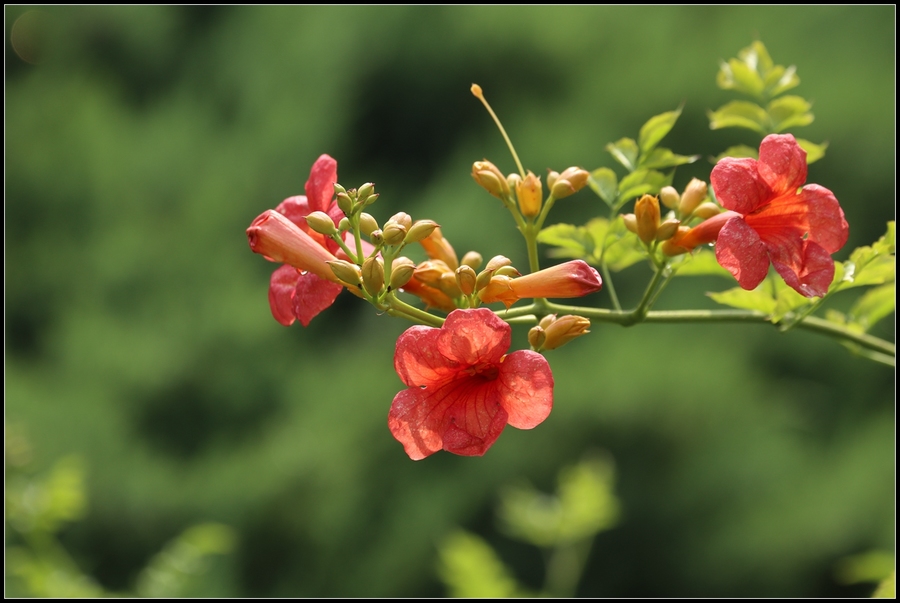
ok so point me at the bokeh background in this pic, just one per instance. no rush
(141, 142)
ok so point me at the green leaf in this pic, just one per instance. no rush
(739, 75)
(786, 299)
(664, 158)
(603, 181)
(641, 182)
(625, 151)
(759, 299)
(622, 248)
(570, 241)
(738, 151)
(876, 304)
(470, 568)
(789, 112)
(872, 265)
(656, 129)
(701, 263)
(814, 151)
(740, 114)
(781, 79)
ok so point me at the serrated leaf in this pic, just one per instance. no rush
(570, 241)
(655, 129)
(873, 306)
(758, 299)
(604, 182)
(737, 151)
(625, 151)
(814, 151)
(664, 158)
(740, 114)
(789, 112)
(700, 263)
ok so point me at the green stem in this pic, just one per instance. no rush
(608, 283)
(644, 307)
(397, 307)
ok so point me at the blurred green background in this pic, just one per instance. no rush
(138, 335)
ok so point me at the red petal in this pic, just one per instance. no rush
(418, 361)
(295, 209)
(782, 163)
(526, 388)
(312, 295)
(474, 337)
(281, 290)
(807, 268)
(827, 225)
(320, 186)
(738, 185)
(740, 251)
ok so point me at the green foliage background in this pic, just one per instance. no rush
(138, 335)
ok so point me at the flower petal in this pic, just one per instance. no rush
(807, 268)
(312, 295)
(418, 361)
(738, 185)
(295, 209)
(526, 388)
(782, 163)
(281, 291)
(740, 251)
(474, 337)
(827, 225)
(320, 186)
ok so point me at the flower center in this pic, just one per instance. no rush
(486, 371)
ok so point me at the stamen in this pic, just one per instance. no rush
(476, 91)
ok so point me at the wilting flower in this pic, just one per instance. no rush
(569, 279)
(300, 289)
(463, 388)
(771, 220)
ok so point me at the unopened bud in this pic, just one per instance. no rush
(431, 271)
(669, 197)
(420, 230)
(565, 329)
(671, 247)
(344, 224)
(552, 175)
(497, 262)
(630, 222)
(367, 224)
(530, 195)
(370, 199)
(547, 321)
(377, 237)
(465, 279)
(667, 229)
(345, 271)
(536, 337)
(646, 212)
(345, 203)
(707, 210)
(365, 190)
(571, 181)
(393, 233)
(448, 285)
(338, 189)
(507, 271)
(321, 222)
(401, 271)
(490, 178)
(472, 259)
(373, 275)
(513, 180)
(693, 195)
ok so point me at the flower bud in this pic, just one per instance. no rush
(344, 224)
(646, 212)
(547, 321)
(274, 236)
(490, 178)
(364, 191)
(321, 222)
(377, 237)
(395, 229)
(449, 286)
(530, 195)
(551, 179)
(430, 272)
(373, 275)
(671, 247)
(693, 195)
(707, 210)
(513, 180)
(370, 199)
(439, 248)
(496, 262)
(669, 197)
(571, 181)
(667, 229)
(420, 230)
(338, 189)
(401, 271)
(472, 259)
(465, 279)
(367, 224)
(345, 203)
(346, 272)
(565, 329)
(630, 222)
(507, 271)
(536, 337)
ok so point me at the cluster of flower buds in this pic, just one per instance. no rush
(529, 193)
(553, 332)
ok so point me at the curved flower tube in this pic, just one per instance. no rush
(569, 279)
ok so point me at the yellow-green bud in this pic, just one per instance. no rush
(496, 262)
(490, 178)
(345, 271)
(669, 197)
(513, 180)
(376, 236)
(344, 224)
(321, 222)
(530, 195)
(365, 190)
(373, 275)
(465, 279)
(402, 218)
(646, 212)
(401, 271)
(472, 259)
(630, 222)
(667, 228)
(536, 337)
(507, 271)
(448, 285)
(707, 210)
(338, 189)
(393, 233)
(420, 230)
(370, 199)
(367, 224)
(551, 179)
(345, 203)
(692, 196)
(568, 183)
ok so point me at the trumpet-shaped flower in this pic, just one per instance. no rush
(569, 279)
(463, 388)
(773, 219)
(305, 285)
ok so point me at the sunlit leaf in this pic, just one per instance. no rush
(789, 112)
(655, 129)
(663, 158)
(740, 114)
(738, 75)
(759, 299)
(604, 182)
(470, 568)
(814, 151)
(641, 182)
(700, 263)
(570, 241)
(625, 151)
(623, 248)
(738, 151)
(786, 299)
(876, 304)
